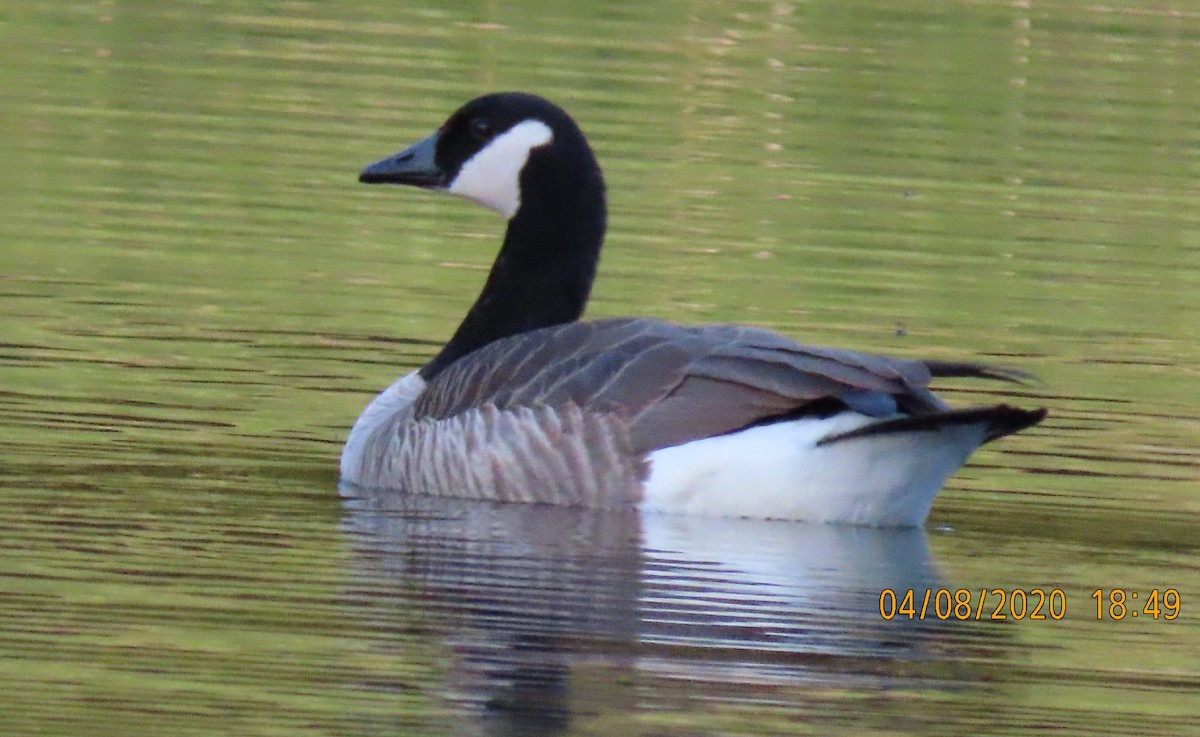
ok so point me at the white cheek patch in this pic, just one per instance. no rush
(492, 177)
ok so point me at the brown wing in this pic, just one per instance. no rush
(673, 383)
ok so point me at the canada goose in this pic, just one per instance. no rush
(527, 403)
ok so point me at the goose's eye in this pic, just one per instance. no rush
(482, 129)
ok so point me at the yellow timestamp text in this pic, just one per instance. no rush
(982, 604)
(1120, 604)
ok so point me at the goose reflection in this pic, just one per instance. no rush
(524, 595)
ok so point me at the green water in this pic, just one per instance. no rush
(198, 300)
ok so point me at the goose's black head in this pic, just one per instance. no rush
(499, 150)
(525, 158)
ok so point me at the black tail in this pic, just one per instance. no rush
(967, 370)
(1001, 420)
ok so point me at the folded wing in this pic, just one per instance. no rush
(672, 384)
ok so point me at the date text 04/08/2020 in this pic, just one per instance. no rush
(1003, 604)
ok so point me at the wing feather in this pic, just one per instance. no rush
(670, 383)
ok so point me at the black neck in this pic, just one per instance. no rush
(542, 275)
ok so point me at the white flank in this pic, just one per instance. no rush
(778, 471)
(375, 436)
(492, 177)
